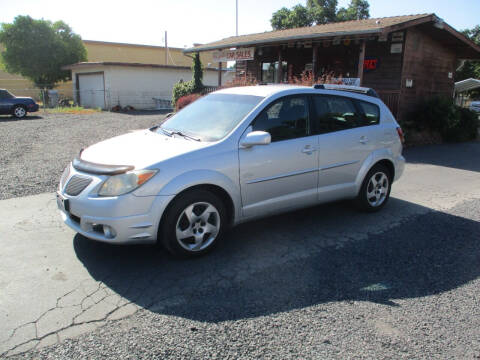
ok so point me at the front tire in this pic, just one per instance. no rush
(19, 112)
(375, 190)
(193, 224)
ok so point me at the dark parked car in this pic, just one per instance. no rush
(16, 106)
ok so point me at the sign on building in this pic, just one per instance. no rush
(234, 55)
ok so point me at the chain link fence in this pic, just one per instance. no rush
(98, 99)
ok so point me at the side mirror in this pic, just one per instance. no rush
(256, 138)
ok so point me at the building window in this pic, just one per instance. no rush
(269, 72)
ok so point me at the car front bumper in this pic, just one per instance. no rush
(125, 219)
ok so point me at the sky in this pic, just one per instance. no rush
(194, 21)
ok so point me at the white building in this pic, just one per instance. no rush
(142, 86)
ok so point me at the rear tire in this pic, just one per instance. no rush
(19, 112)
(193, 224)
(375, 190)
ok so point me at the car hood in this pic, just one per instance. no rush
(141, 149)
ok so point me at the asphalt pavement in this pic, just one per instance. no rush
(326, 282)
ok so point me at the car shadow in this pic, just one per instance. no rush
(7, 118)
(449, 155)
(314, 256)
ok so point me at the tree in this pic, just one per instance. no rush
(38, 49)
(197, 73)
(323, 11)
(470, 69)
(357, 10)
(318, 12)
(298, 16)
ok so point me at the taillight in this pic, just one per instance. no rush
(400, 135)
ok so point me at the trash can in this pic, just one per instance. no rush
(53, 98)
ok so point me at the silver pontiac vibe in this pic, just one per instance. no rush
(232, 156)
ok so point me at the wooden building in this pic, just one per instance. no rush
(406, 59)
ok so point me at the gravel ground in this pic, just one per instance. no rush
(408, 293)
(34, 151)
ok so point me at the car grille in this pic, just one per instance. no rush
(77, 184)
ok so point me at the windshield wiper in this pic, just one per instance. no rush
(169, 133)
(178, 132)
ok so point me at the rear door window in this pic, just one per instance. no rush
(335, 113)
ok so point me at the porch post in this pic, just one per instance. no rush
(361, 59)
(280, 68)
(314, 62)
(219, 74)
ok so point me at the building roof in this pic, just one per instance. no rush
(98, 42)
(355, 28)
(467, 84)
(127, 64)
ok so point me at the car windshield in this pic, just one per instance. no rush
(211, 117)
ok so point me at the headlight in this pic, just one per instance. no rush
(124, 183)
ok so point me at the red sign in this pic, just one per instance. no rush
(370, 64)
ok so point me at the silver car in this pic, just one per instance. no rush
(232, 156)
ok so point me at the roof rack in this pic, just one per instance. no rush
(355, 89)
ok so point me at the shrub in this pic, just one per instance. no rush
(441, 114)
(307, 79)
(244, 80)
(181, 89)
(467, 128)
(195, 85)
(185, 100)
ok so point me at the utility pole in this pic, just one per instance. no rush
(166, 48)
(236, 16)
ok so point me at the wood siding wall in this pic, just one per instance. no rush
(428, 63)
(388, 74)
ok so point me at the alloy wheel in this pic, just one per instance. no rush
(197, 226)
(19, 112)
(377, 189)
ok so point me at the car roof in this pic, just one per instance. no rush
(285, 89)
(259, 90)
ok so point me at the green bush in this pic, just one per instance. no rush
(441, 114)
(467, 128)
(180, 89)
(193, 86)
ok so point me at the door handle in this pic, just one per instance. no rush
(308, 150)
(363, 140)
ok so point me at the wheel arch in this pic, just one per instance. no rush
(374, 159)
(217, 190)
(19, 105)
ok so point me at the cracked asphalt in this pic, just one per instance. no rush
(324, 282)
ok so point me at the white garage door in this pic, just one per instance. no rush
(92, 90)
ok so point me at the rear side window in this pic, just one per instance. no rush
(287, 118)
(371, 113)
(335, 113)
(5, 95)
